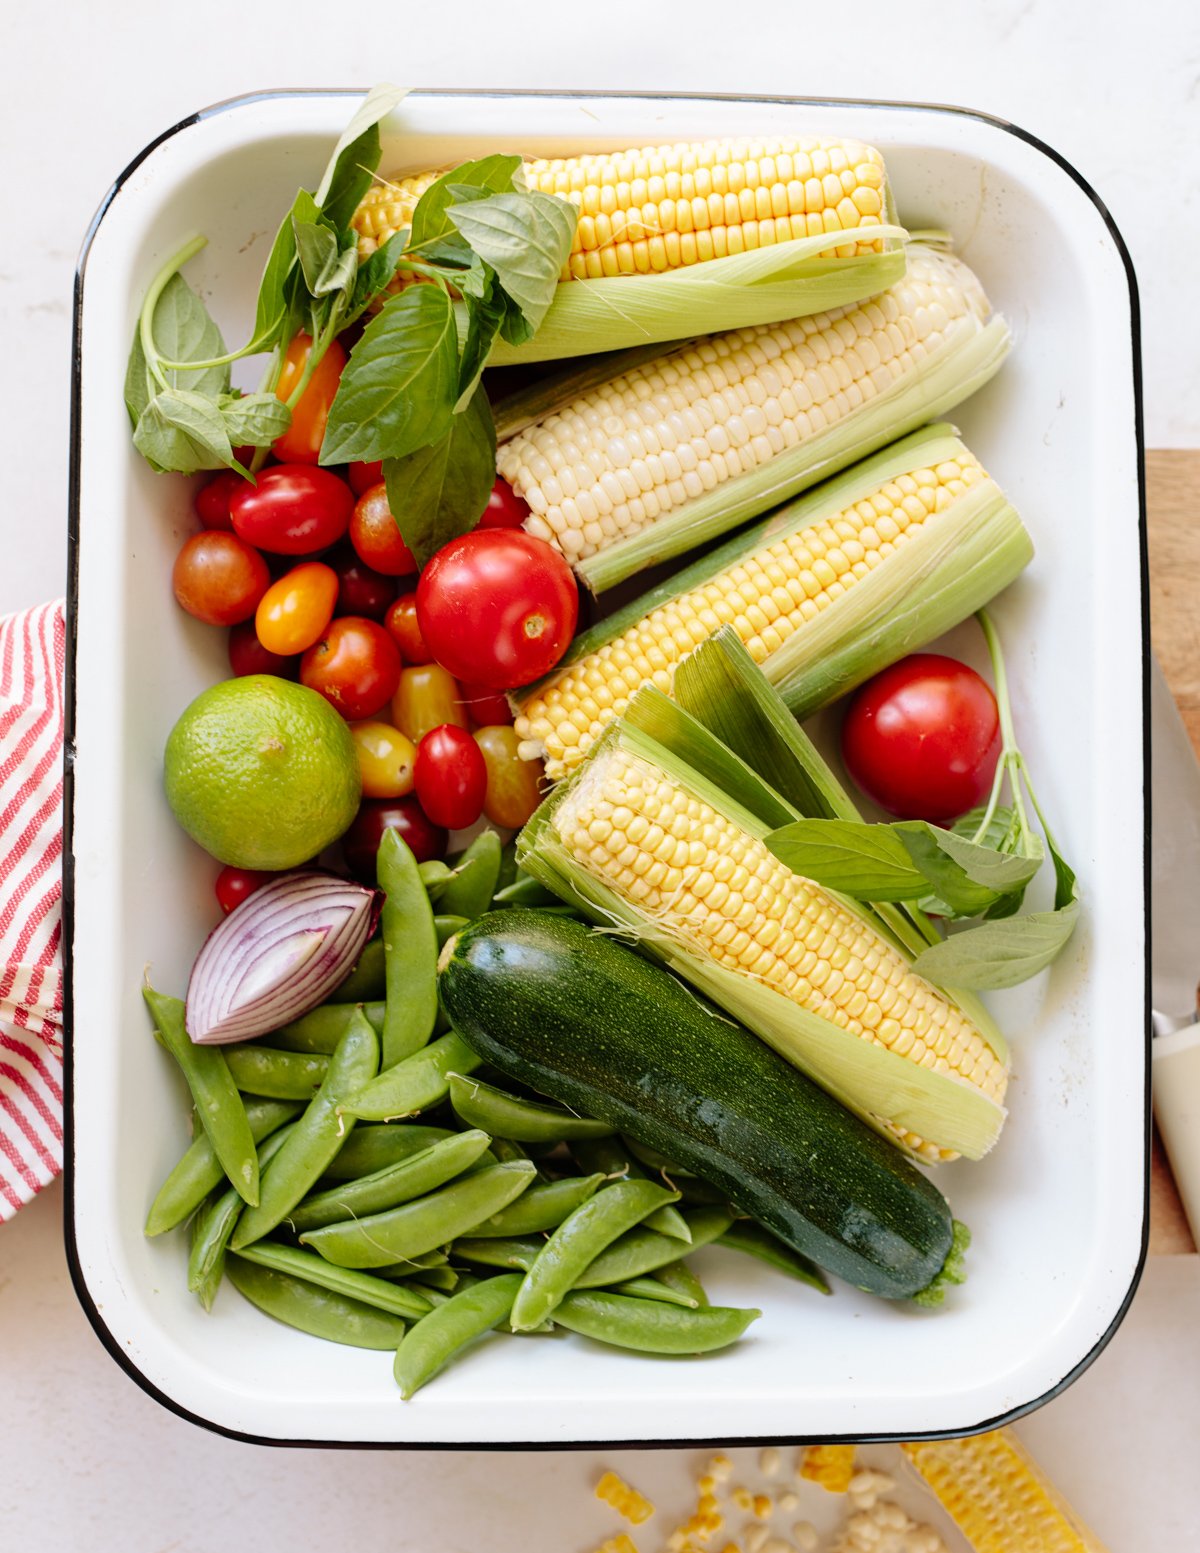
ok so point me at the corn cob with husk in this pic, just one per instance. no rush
(668, 452)
(871, 565)
(705, 235)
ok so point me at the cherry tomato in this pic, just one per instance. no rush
(385, 759)
(505, 509)
(425, 698)
(513, 784)
(355, 666)
(361, 842)
(922, 739)
(212, 500)
(363, 476)
(293, 612)
(219, 578)
(497, 607)
(450, 777)
(360, 590)
(247, 655)
(234, 885)
(301, 442)
(374, 534)
(401, 623)
(293, 510)
(486, 708)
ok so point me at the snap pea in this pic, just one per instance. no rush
(652, 1159)
(368, 980)
(498, 1253)
(414, 1084)
(446, 927)
(218, 1104)
(577, 1242)
(509, 871)
(323, 1028)
(745, 1235)
(311, 1309)
(318, 1134)
(653, 1289)
(279, 1075)
(680, 1277)
(372, 1147)
(401, 1182)
(611, 1156)
(312, 1268)
(651, 1326)
(214, 1226)
(508, 1116)
(409, 1265)
(645, 1250)
(410, 952)
(506, 1149)
(199, 1170)
(525, 891)
(430, 1345)
(542, 1207)
(446, 1279)
(700, 1194)
(419, 1226)
(435, 876)
(469, 893)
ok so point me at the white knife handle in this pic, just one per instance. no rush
(1176, 1083)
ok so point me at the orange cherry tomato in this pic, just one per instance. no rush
(294, 611)
(301, 442)
(513, 784)
(385, 759)
(486, 708)
(219, 578)
(375, 535)
(400, 622)
(425, 698)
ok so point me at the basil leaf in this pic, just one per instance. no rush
(254, 420)
(183, 431)
(398, 389)
(967, 877)
(271, 309)
(440, 491)
(526, 239)
(1064, 877)
(483, 319)
(866, 862)
(467, 182)
(182, 331)
(351, 168)
(999, 954)
(317, 249)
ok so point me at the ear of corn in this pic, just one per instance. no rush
(829, 590)
(672, 451)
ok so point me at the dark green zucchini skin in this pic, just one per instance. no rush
(590, 1023)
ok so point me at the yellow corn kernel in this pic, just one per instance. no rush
(626, 1501)
(618, 1544)
(832, 1466)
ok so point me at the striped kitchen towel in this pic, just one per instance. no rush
(32, 647)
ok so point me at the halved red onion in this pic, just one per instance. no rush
(277, 955)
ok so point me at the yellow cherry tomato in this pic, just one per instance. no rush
(385, 759)
(293, 613)
(426, 698)
(513, 784)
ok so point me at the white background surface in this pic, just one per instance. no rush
(88, 1460)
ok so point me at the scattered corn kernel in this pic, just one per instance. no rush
(804, 1535)
(755, 1538)
(618, 1544)
(832, 1466)
(626, 1501)
(762, 1506)
(743, 1498)
(788, 1501)
(769, 1461)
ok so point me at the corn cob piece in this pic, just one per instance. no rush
(832, 1466)
(823, 594)
(624, 1498)
(697, 441)
(997, 1496)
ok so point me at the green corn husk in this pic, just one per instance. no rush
(959, 559)
(878, 1085)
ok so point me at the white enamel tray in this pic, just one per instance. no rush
(1058, 1211)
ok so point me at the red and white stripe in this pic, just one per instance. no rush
(32, 651)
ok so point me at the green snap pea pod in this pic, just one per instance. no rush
(411, 1177)
(525, 891)
(419, 1226)
(367, 982)
(213, 1227)
(644, 1250)
(653, 1160)
(430, 1345)
(314, 1310)
(700, 1194)
(415, 1084)
(372, 1147)
(318, 1135)
(218, 1104)
(612, 1157)
(445, 927)
(507, 1116)
(745, 1235)
(199, 1170)
(507, 1148)
(410, 1265)
(410, 952)
(508, 868)
(680, 1277)
(651, 1326)
(279, 1075)
(435, 876)
(498, 1253)
(577, 1242)
(444, 1278)
(469, 893)
(323, 1028)
(653, 1289)
(393, 1297)
(542, 1207)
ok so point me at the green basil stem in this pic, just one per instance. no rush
(157, 366)
(1011, 762)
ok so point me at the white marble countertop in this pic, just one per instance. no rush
(89, 1461)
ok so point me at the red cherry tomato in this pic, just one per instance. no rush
(450, 777)
(234, 885)
(922, 739)
(375, 815)
(486, 708)
(402, 627)
(247, 655)
(374, 534)
(497, 607)
(363, 476)
(505, 509)
(293, 510)
(355, 666)
(212, 500)
(361, 591)
(301, 442)
(219, 578)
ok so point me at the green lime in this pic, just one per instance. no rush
(261, 772)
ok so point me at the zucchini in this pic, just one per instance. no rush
(580, 1018)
